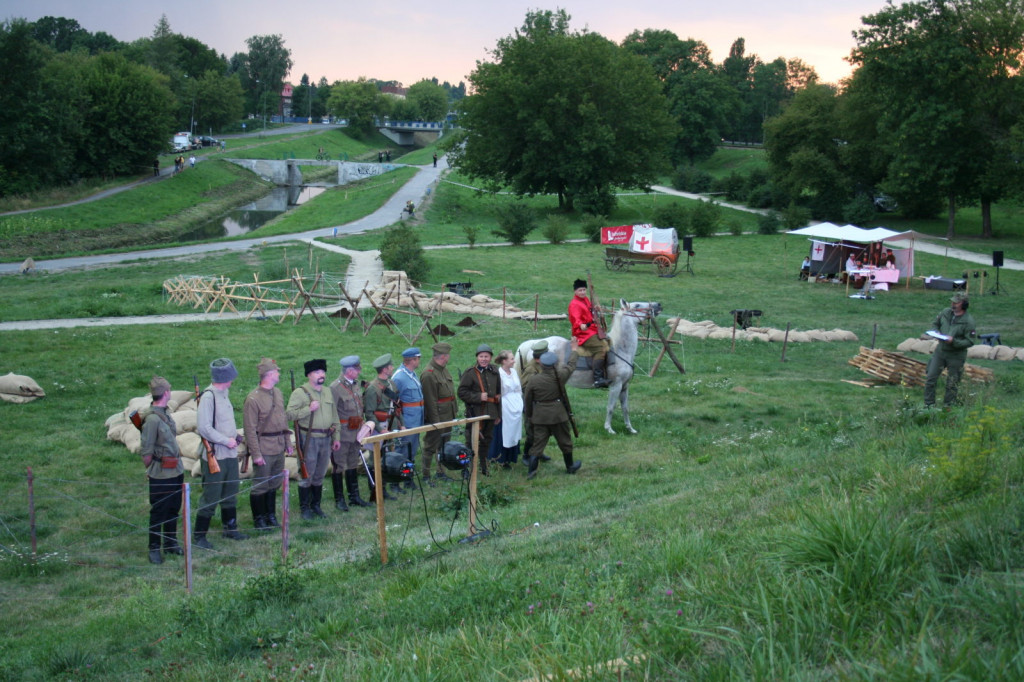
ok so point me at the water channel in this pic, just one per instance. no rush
(249, 217)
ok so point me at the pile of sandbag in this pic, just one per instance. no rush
(709, 330)
(182, 408)
(396, 290)
(17, 388)
(978, 351)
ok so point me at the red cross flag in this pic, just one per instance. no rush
(818, 251)
(642, 240)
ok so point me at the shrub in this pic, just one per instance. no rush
(591, 226)
(760, 196)
(598, 201)
(768, 223)
(705, 218)
(735, 227)
(795, 216)
(471, 232)
(556, 229)
(672, 215)
(691, 179)
(859, 211)
(967, 462)
(400, 249)
(515, 222)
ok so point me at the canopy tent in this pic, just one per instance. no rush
(831, 243)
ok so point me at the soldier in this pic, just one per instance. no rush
(379, 398)
(544, 406)
(957, 326)
(349, 402)
(480, 390)
(438, 405)
(410, 401)
(532, 368)
(585, 330)
(215, 421)
(312, 408)
(267, 438)
(162, 460)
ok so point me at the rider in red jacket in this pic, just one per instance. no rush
(584, 328)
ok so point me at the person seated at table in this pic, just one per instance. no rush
(805, 268)
(852, 263)
(890, 259)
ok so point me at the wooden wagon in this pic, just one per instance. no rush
(646, 245)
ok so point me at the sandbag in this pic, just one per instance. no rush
(184, 420)
(1004, 353)
(179, 398)
(138, 404)
(18, 388)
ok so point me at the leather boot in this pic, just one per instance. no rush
(269, 508)
(155, 557)
(339, 491)
(352, 480)
(199, 533)
(570, 466)
(317, 494)
(259, 518)
(171, 545)
(305, 499)
(395, 488)
(533, 463)
(599, 379)
(229, 517)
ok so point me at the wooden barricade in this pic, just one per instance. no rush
(897, 368)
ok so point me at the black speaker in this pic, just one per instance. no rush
(997, 259)
(688, 244)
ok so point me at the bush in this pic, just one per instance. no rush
(515, 222)
(591, 227)
(795, 216)
(599, 201)
(556, 229)
(705, 218)
(760, 196)
(400, 249)
(672, 214)
(768, 223)
(735, 227)
(692, 179)
(471, 232)
(859, 211)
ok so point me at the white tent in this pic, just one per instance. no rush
(830, 232)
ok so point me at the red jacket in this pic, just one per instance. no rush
(580, 314)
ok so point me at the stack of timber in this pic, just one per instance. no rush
(899, 369)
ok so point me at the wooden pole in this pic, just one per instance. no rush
(667, 347)
(382, 532)
(284, 515)
(503, 290)
(732, 348)
(186, 505)
(671, 333)
(874, 333)
(475, 431)
(785, 342)
(32, 511)
(536, 310)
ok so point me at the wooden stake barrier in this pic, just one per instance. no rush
(284, 516)
(666, 346)
(32, 511)
(378, 439)
(186, 534)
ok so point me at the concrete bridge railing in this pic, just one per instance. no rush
(286, 173)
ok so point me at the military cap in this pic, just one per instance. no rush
(158, 386)
(349, 361)
(266, 366)
(484, 348)
(222, 371)
(549, 359)
(411, 353)
(382, 362)
(579, 283)
(441, 348)
(540, 346)
(958, 298)
(313, 365)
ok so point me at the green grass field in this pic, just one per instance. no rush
(768, 521)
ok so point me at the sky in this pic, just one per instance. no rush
(408, 41)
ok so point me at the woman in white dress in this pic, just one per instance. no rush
(508, 430)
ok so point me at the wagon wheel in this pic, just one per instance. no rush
(609, 263)
(663, 264)
(622, 264)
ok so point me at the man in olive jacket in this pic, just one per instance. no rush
(162, 459)
(957, 325)
(438, 404)
(544, 406)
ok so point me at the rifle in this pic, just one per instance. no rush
(565, 401)
(393, 409)
(602, 332)
(211, 459)
(303, 471)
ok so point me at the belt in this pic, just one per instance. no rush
(320, 431)
(380, 416)
(418, 403)
(547, 402)
(275, 434)
(445, 400)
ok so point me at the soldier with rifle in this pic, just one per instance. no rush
(438, 406)
(316, 417)
(588, 333)
(379, 406)
(531, 369)
(348, 398)
(546, 406)
(267, 439)
(480, 390)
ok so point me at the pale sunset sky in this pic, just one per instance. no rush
(408, 41)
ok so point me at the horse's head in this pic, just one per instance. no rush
(643, 309)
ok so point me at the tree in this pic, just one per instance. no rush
(429, 100)
(268, 63)
(358, 101)
(595, 121)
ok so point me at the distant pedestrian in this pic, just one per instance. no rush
(223, 145)
(380, 157)
(192, 161)
(435, 159)
(387, 156)
(156, 167)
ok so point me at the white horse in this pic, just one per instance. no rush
(624, 339)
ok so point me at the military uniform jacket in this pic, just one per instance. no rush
(265, 424)
(410, 392)
(376, 405)
(542, 401)
(438, 394)
(325, 419)
(158, 441)
(959, 328)
(531, 369)
(349, 403)
(476, 381)
(215, 421)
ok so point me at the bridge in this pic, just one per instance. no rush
(403, 133)
(286, 173)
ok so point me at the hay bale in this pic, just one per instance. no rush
(18, 388)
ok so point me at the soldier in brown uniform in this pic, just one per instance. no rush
(380, 405)
(267, 438)
(162, 460)
(531, 369)
(438, 404)
(313, 408)
(544, 406)
(349, 402)
(480, 390)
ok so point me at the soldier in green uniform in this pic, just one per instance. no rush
(379, 406)
(349, 401)
(544, 406)
(313, 409)
(532, 368)
(162, 460)
(957, 325)
(438, 405)
(480, 390)
(268, 439)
